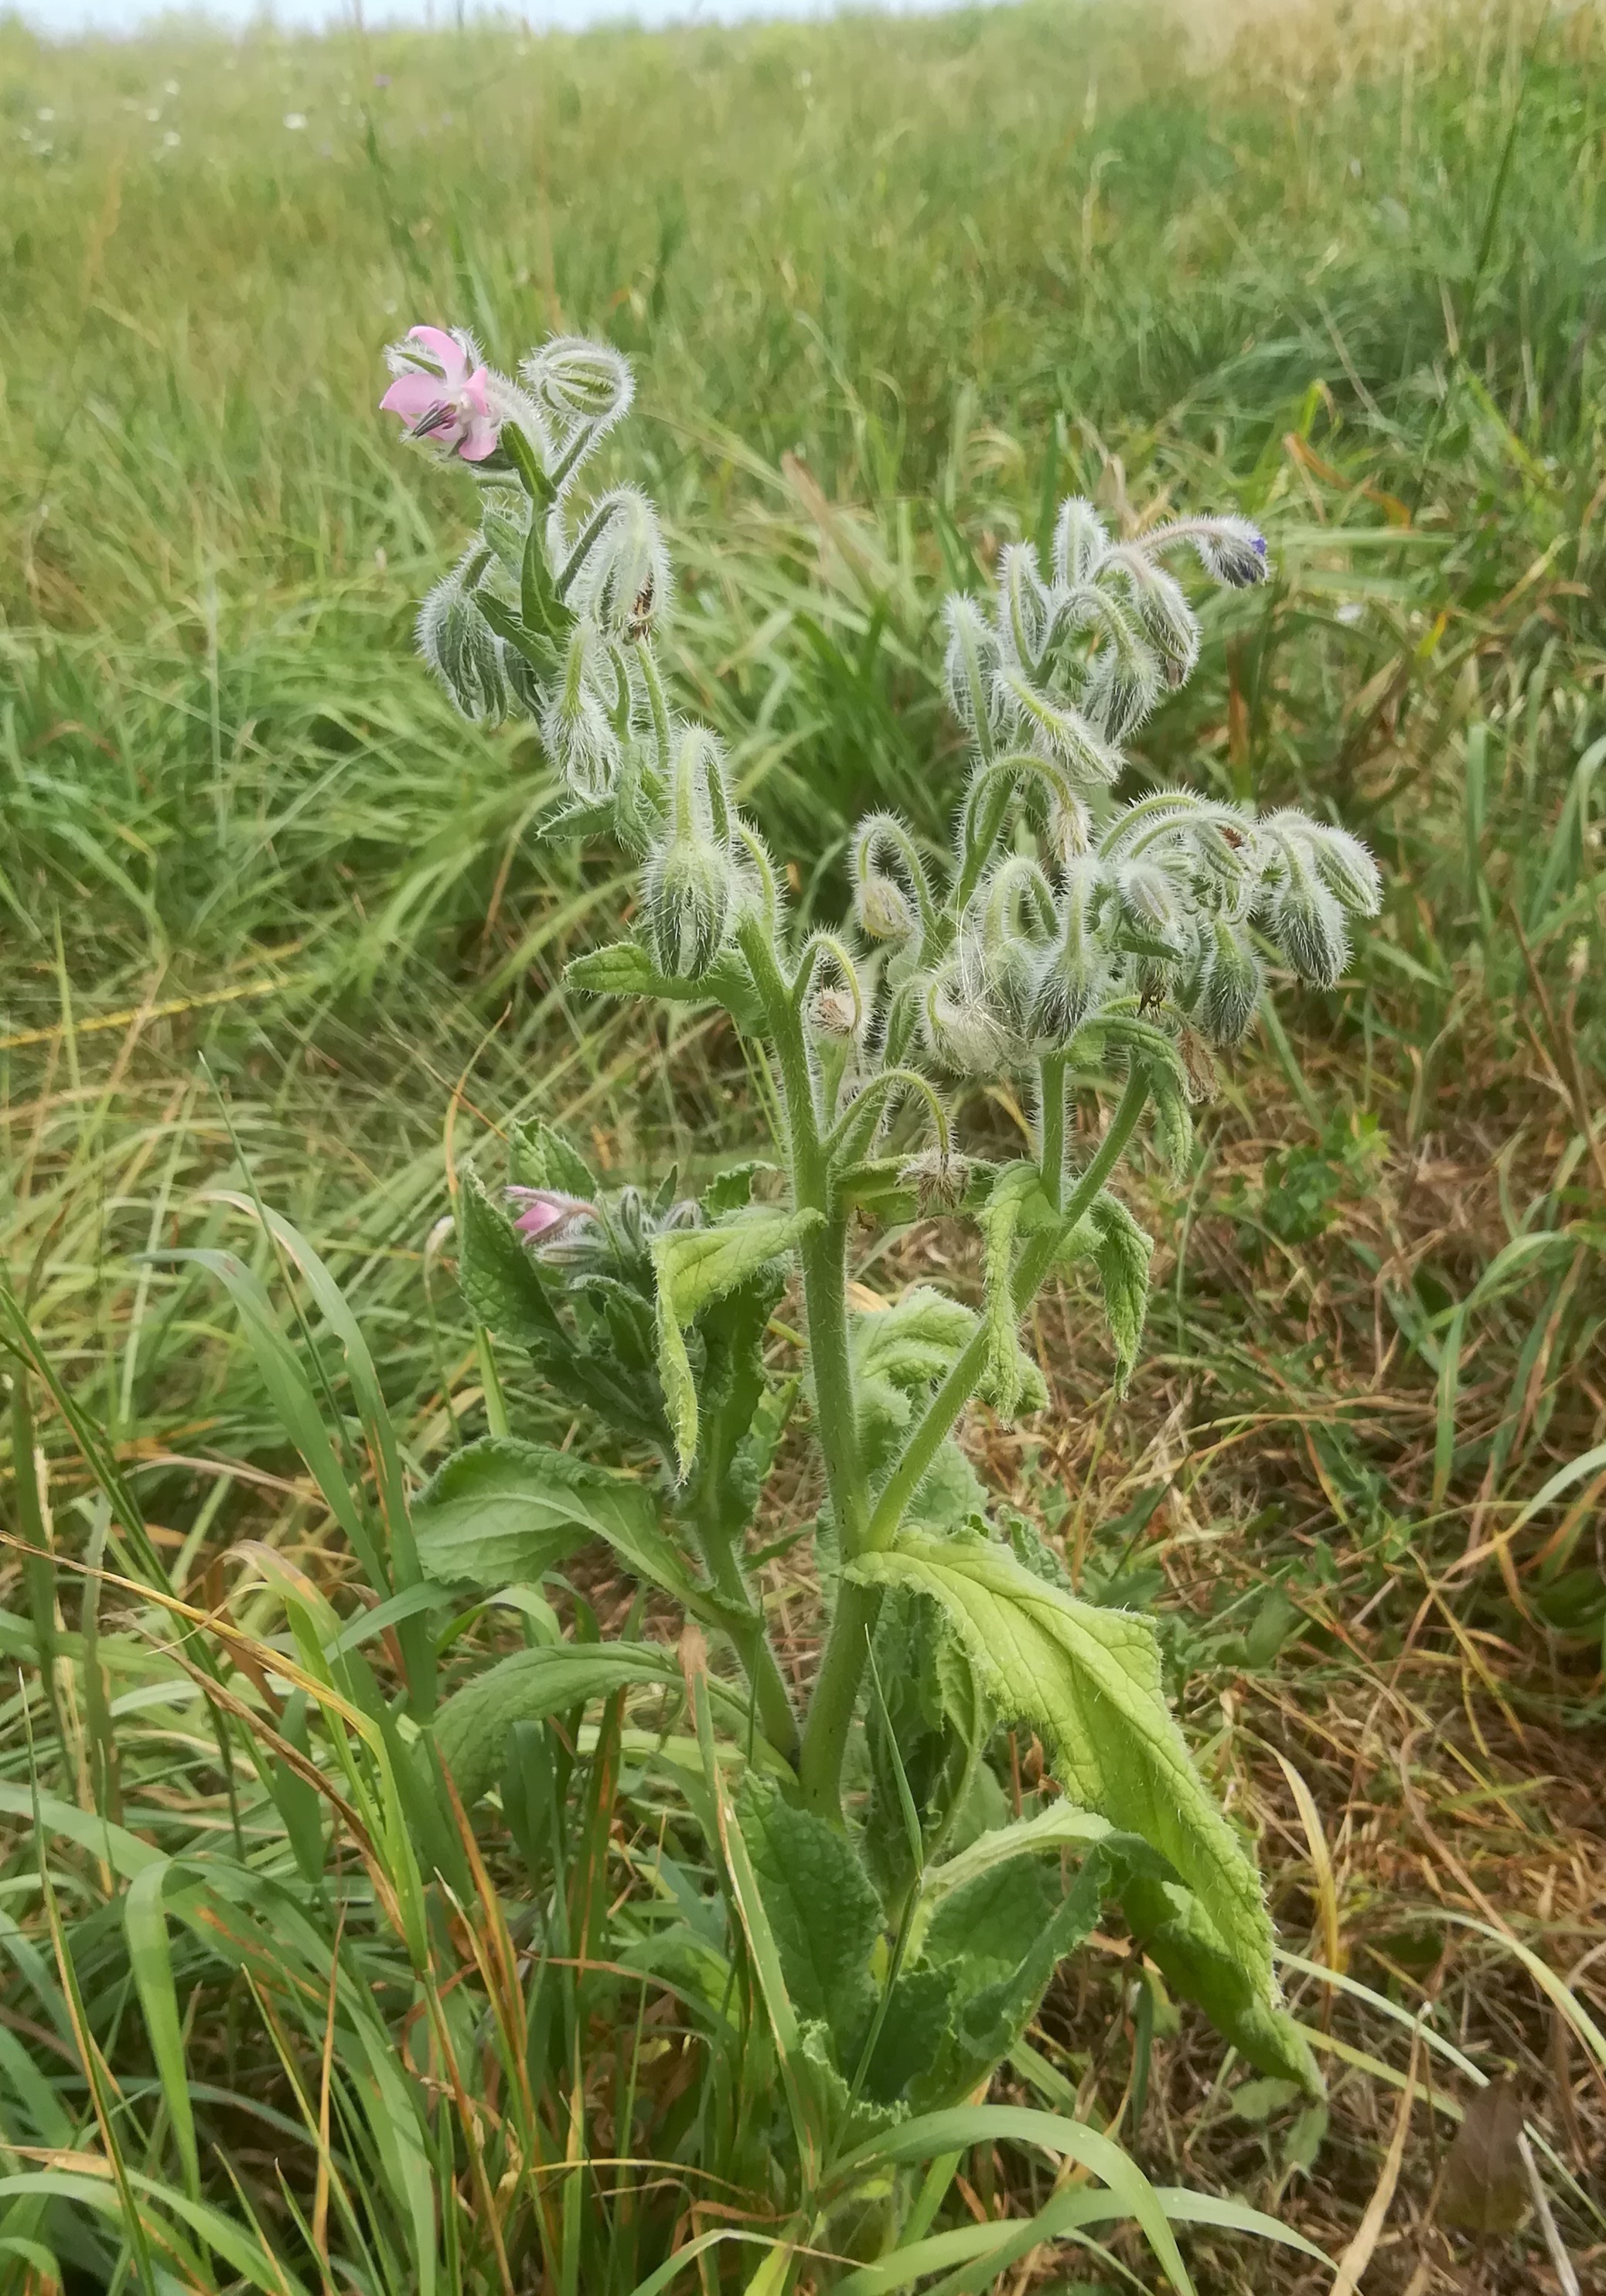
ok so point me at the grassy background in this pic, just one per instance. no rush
(890, 287)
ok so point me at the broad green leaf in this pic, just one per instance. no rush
(1178, 1934)
(898, 1353)
(1154, 1053)
(540, 1158)
(1061, 1827)
(823, 1911)
(1090, 1681)
(695, 1267)
(503, 1512)
(1000, 1937)
(470, 1726)
(730, 1190)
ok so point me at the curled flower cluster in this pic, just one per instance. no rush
(1061, 907)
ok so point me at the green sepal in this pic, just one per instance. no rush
(537, 651)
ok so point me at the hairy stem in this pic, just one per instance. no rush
(742, 1620)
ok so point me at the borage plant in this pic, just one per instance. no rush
(874, 1926)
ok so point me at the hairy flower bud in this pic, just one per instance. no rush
(581, 738)
(1230, 550)
(939, 1180)
(1346, 868)
(579, 384)
(625, 583)
(1168, 619)
(960, 1030)
(1307, 924)
(1078, 974)
(1150, 898)
(454, 641)
(889, 886)
(1059, 733)
(1081, 542)
(1230, 992)
(833, 1013)
(1024, 606)
(971, 670)
(689, 883)
(1124, 686)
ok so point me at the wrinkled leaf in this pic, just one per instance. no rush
(823, 1911)
(538, 1157)
(696, 1265)
(1178, 1935)
(1089, 1680)
(503, 1512)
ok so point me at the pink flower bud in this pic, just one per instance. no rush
(545, 1211)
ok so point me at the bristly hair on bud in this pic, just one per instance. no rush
(1230, 550)
(971, 669)
(456, 642)
(580, 736)
(579, 384)
(625, 583)
(891, 894)
(689, 886)
(1081, 543)
(1229, 995)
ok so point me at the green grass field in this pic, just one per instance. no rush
(276, 925)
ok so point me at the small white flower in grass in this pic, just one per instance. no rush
(295, 121)
(46, 111)
(171, 140)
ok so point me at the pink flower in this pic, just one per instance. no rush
(451, 405)
(543, 1210)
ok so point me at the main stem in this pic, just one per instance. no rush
(824, 1253)
(836, 1690)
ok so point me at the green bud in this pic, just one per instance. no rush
(689, 885)
(462, 652)
(1230, 992)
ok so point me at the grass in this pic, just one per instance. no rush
(275, 921)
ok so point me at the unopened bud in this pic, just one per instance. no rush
(938, 1181)
(686, 892)
(576, 381)
(1081, 543)
(580, 736)
(960, 1030)
(1346, 868)
(1123, 689)
(1024, 605)
(689, 885)
(1151, 900)
(1168, 619)
(454, 641)
(1059, 733)
(971, 668)
(1231, 551)
(1307, 924)
(1229, 993)
(832, 1012)
(626, 581)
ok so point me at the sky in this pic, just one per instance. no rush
(64, 18)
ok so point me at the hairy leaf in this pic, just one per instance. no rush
(823, 1911)
(695, 1267)
(1121, 1252)
(1090, 1681)
(1178, 1935)
(540, 1158)
(503, 1511)
(469, 1728)
(625, 969)
(1010, 1382)
(499, 1279)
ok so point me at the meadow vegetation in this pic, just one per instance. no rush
(281, 942)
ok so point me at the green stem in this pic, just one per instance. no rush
(1051, 1127)
(742, 1620)
(824, 1253)
(836, 1692)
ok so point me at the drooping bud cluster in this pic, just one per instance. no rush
(1061, 908)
